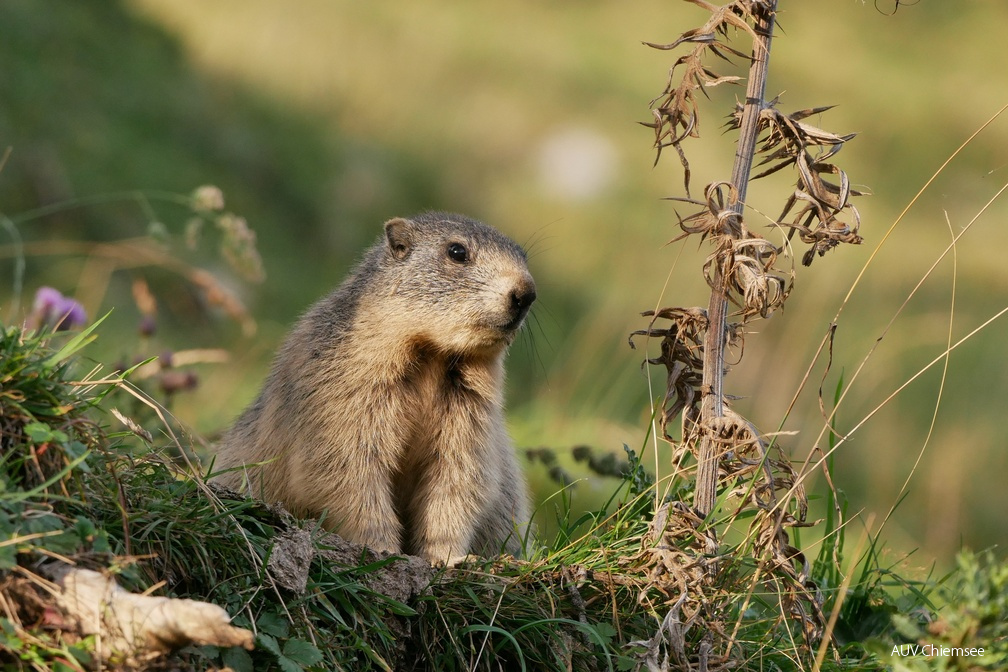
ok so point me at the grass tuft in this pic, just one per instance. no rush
(638, 584)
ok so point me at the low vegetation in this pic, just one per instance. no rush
(703, 569)
(631, 586)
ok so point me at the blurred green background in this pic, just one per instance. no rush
(322, 118)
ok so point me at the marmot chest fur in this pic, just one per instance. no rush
(384, 406)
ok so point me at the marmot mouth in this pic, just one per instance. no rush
(515, 323)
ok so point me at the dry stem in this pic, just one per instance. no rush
(714, 344)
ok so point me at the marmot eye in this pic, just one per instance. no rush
(458, 253)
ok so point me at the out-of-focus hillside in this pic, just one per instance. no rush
(320, 119)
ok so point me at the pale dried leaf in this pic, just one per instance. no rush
(139, 627)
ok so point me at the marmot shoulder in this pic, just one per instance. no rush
(384, 407)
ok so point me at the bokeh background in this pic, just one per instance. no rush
(322, 118)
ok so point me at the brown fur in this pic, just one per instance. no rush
(384, 406)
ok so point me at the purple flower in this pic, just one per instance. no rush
(54, 311)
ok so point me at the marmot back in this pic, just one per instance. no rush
(384, 407)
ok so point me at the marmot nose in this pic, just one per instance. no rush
(522, 297)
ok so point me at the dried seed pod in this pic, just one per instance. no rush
(173, 381)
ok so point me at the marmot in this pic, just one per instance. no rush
(384, 407)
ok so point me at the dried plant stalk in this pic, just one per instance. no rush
(742, 269)
(712, 405)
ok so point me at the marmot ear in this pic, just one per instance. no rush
(399, 235)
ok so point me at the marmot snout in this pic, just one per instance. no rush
(384, 406)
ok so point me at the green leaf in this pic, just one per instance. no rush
(274, 624)
(302, 652)
(74, 450)
(238, 659)
(100, 542)
(400, 609)
(74, 344)
(288, 665)
(625, 663)
(8, 557)
(906, 627)
(606, 632)
(40, 432)
(7, 629)
(66, 543)
(85, 528)
(270, 644)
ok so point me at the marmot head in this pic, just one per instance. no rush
(459, 285)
